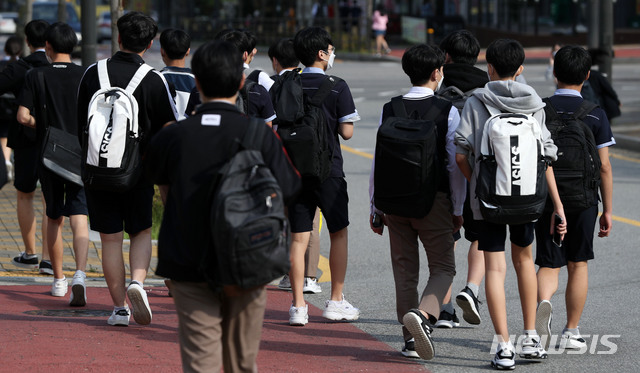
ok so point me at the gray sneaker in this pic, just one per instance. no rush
(78, 297)
(119, 317)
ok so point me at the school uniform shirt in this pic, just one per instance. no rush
(416, 99)
(61, 111)
(11, 80)
(569, 100)
(155, 103)
(338, 108)
(187, 157)
(263, 78)
(183, 82)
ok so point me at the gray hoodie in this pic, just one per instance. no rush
(508, 96)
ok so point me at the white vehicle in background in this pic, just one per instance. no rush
(8, 22)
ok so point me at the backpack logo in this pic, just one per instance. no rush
(516, 179)
(106, 139)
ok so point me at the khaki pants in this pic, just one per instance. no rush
(435, 231)
(216, 330)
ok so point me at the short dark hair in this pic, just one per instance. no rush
(61, 37)
(217, 65)
(283, 52)
(572, 64)
(175, 43)
(136, 31)
(308, 42)
(13, 46)
(34, 32)
(419, 61)
(506, 56)
(253, 40)
(237, 38)
(462, 46)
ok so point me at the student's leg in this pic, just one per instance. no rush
(242, 329)
(312, 256)
(56, 248)
(140, 254)
(113, 266)
(299, 242)
(576, 293)
(27, 221)
(44, 230)
(199, 326)
(547, 282)
(527, 283)
(496, 270)
(379, 41)
(338, 258)
(80, 230)
(475, 259)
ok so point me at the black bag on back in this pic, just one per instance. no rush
(455, 96)
(249, 230)
(577, 169)
(307, 140)
(408, 167)
(288, 97)
(242, 102)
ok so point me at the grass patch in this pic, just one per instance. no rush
(156, 213)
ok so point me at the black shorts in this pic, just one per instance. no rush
(577, 245)
(109, 210)
(492, 237)
(332, 198)
(470, 225)
(26, 163)
(63, 197)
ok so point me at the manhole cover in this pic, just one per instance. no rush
(69, 313)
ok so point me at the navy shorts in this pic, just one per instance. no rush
(578, 242)
(25, 163)
(63, 197)
(332, 199)
(108, 211)
(492, 237)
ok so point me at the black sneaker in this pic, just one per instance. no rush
(418, 326)
(45, 267)
(26, 261)
(447, 320)
(469, 304)
(409, 349)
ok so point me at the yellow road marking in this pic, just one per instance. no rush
(625, 220)
(624, 158)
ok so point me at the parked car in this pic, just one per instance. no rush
(104, 26)
(8, 22)
(48, 11)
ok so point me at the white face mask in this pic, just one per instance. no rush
(441, 80)
(332, 57)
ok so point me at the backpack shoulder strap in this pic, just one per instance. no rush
(255, 75)
(103, 74)
(585, 108)
(324, 90)
(43, 94)
(492, 110)
(399, 110)
(549, 110)
(137, 77)
(438, 106)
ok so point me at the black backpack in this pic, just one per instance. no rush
(287, 97)
(307, 140)
(577, 169)
(249, 230)
(408, 164)
(242, 102)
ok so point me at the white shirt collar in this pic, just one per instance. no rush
(419, 92)
(567, 92)
(315, 70)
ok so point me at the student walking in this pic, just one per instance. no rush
(175, 46)
(44, 105)
(504, 94)
(569, 114)
(113, 212)
(432, 219)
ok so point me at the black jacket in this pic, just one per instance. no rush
(464, 77)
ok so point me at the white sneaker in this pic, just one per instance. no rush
(139, 303)
(78, 296)
(59, 287)
(340, 310)
(505, 358)
(299, 316)
(9, 170)
(311, 286)
(532, 348)
(119, 317)
(570, 341)
(544, 315)
(285, 283)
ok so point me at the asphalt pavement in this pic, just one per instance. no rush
(40, 333)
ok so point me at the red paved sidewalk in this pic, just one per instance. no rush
(40, 333)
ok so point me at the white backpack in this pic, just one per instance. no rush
(511, 185)
(112, 137)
